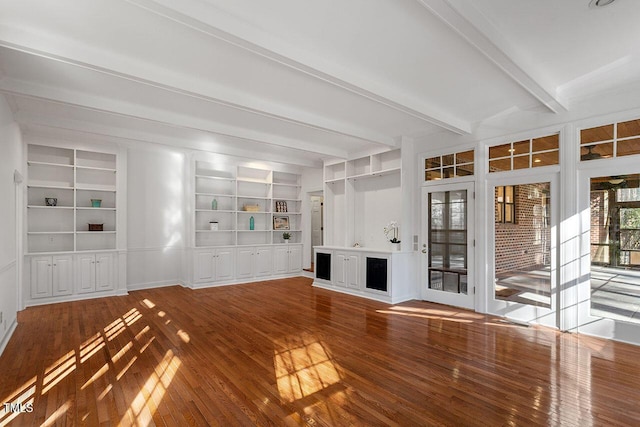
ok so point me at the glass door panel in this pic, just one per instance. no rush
(447, 249)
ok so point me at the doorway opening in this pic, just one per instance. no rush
(523, 243)
(317, 223)
(615, 247)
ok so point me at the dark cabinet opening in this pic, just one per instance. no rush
(377, 274)
(323, 266)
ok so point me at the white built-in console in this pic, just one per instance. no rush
(240, 216)
(71, 238)
(361, 197)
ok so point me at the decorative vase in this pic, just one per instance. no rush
(395, 247)
(286, 240)
(214, 205)
(252, 223)
(213, 225)
(96, 203)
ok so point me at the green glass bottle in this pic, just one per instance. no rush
(252, 224)
(214, 205)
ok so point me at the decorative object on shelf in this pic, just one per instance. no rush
(252, 223)
(251, 208)
(281, 223)
(214, 205)
(356, 245)
(96, 227)
(286, 236)
(213, 225)
(51, 201)
(391, 232)
(281, 206)
(96, 203)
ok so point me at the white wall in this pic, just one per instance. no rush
(156, 216)
(10, 160)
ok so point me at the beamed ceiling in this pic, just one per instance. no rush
(298, 81)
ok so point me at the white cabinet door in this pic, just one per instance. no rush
(104, 272)
(203, 270)
(295, 259)
(263, 261)
(86, 273)
(245, 262)
(225, 264)
(62, 276)
(340, 269)
(353, 271)
(281, 260)
(41, 277)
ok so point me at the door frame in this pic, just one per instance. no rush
(587, 324)
(518, 312)
(467, 301)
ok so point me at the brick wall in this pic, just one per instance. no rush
(598, 210)
(526, 244)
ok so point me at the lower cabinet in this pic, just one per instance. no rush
(287, 259)
(214, 265)
(347, 269)
(51, 276)
(254, 262)
(94, 272)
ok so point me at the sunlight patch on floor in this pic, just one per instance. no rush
(139, 412)
(303, 366)
(22, 395)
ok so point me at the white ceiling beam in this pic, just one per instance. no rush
(70, 128)
(78, 53)
(136, 111)
(206, 18)
(463, 17)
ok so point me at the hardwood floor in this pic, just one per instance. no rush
(284, 353)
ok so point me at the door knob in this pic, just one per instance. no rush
(424, 251)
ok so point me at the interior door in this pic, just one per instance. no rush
(447, 245)
(522, 224)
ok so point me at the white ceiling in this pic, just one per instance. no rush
(298, 81)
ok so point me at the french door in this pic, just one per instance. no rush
(522, 218)
(447, 244)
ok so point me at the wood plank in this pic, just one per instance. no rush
(284, 353)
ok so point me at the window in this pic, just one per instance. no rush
(506, 204)
(612, 140)
(529, 153)
(449, 166)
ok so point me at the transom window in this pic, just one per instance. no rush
(449, 166)
(529, 153)
(612, 140)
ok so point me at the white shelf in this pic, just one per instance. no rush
(89, 208)
(33, 163)
(216, 210)
(49, 207)
(34, 233)
(96, 169)
(253, 197)
(216, 178)
(216, 231)
(286, 185)
(50, 187)
(103, 189)
(96, 232)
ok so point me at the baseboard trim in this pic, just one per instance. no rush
(8, 335)
(71, 298)
(241, 281)
(358, 293)
(151, 285)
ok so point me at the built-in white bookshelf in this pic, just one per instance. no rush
(229, 199)
(63, 187)
(361, 196)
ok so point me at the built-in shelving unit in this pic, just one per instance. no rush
(361, 196)
(230, 197)
(74, 178)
